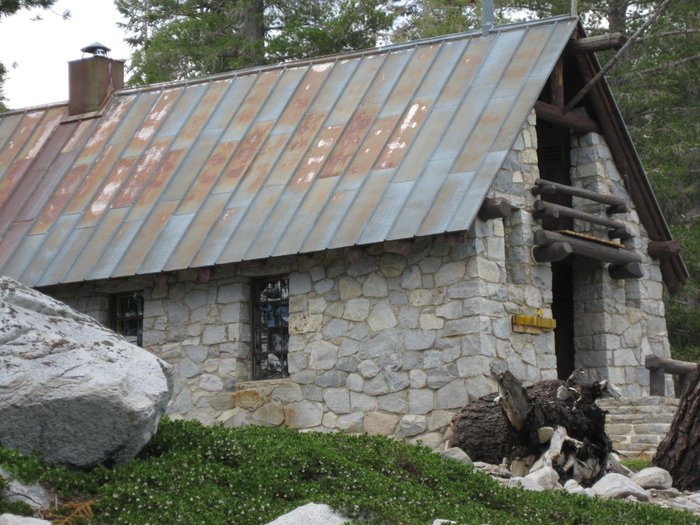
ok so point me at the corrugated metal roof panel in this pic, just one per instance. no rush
(383, 144)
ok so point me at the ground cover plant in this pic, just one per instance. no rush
(192, 474)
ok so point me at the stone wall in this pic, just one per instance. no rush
(617, 323)
(636, 426)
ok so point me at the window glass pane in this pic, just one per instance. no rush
(127, 316)
(270, 328)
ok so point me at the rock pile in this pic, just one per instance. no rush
(70, 389)
(650, 485)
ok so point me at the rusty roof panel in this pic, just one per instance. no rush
(95, 246)
(28, 247)
(421, 199)
(248, 230)
(175, 119)
(185, 251)
(384, 215)
(148, 233)
(361, 209)
(383, 144)
(65, 257)
(351, 96)
(165, 244)
(404, 90)
(50, 246)
(295, 231)
(114, 116)
(114, 250)
(221, 231)
(329, 221)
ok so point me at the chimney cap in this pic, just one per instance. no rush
(96, 49)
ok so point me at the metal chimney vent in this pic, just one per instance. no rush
(97, 49)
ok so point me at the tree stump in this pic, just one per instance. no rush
(509, 425)
(679, 452)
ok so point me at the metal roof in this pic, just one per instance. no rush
(348, 150)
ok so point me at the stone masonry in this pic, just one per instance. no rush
(637, 425)
(393, 339)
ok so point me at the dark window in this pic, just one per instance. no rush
(270, 327)
(126, 316)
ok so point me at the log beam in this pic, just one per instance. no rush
(615, 204)
(592, 44)
(550, 209)
(590, 249)
(626, 271)
(496, 208)
(554, 115)
(663, 249)
(556, 251)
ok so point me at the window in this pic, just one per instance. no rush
(270, 327)
(126, 316)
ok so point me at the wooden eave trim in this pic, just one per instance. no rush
(630, 167)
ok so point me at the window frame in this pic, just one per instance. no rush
(120, 315)
(270, 323)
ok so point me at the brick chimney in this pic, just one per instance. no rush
(92, 79)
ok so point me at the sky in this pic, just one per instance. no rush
(36, 53)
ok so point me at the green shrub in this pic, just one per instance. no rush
(192, 474)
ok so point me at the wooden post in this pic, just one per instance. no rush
(657, 377)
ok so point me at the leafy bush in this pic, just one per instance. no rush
(192, 474)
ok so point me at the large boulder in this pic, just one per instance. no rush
(70, 389)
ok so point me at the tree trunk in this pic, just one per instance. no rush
(510, 427)
(679, 452)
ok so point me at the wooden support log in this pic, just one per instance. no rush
(616, 205)
(554, 115)
(592, 44)
(586, 248)
(658, 368)
(496, 208)
(663, 249)
(556, 251)
(626, 271)
(550, 209)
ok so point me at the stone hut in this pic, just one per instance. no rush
(346, 243)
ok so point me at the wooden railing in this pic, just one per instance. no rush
(658, 368)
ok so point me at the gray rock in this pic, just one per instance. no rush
(311, 514)
(36, 496)
(72, 390)
(10, 519)
(653, 478)
(457, 454)
(411, 425)
(546, 477)
(572, 487)
(619, 487)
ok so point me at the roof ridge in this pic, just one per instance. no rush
(303, 62)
